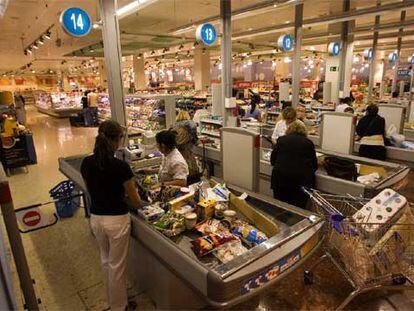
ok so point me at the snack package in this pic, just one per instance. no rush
(229, 251)
(170, 224)
(249, 234)
(211, 225)
(204, 245)
(151, 212)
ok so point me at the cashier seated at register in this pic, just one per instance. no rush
(174, 169)
(288, 116)
(294, 165)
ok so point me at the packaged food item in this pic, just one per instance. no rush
(230, 215)
(211, 225)
(204, 245)
(171, 224)
(249, 234)
(151, 212)
(206, 208)
(185, 209)
(229, 251)
(190, 220)
(219, 211)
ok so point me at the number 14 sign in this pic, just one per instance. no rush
(76, 22)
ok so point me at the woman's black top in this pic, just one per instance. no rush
(106, 186)
(84, 102)
(370, 125)
(294, 161)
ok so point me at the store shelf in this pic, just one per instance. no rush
(217, 122)
(211, 133)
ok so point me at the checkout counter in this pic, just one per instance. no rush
(175, 278)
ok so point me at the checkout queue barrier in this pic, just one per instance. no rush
(170, 273)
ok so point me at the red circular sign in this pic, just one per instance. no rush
(32, 218)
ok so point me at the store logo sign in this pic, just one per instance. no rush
(206, 33)
(334, 48)
(368, 54)
(76, 22)
(285, 43)
(392, 57)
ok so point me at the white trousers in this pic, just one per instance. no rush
(112, 234)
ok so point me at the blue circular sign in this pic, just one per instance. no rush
(285, 43)
(76, 22)
(368, 54)
(334, 48)
(411, 60)
(206, 33)
(392, 57)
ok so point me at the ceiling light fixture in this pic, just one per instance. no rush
(130, 8)
(34, 45)
(40, 41)
(48, 35)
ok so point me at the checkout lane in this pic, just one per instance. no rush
(174, 277)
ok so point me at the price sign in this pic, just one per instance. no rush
(368, 54)
(206, 33)
(392, 57)
(76, 22)
(285, 43)
(334, 48)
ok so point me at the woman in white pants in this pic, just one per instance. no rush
(110, 181)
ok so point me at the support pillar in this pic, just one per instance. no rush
(112, 52)
(138, 63)
(102, 75)
(202, 75)
(226, 78)
(373, 67)
(347, 42)
(282, 70)
(399, 43)
(297, 53)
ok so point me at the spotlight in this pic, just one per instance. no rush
(33, 71)
(180, 47)
(34, 45)
(91, 49)
(204, 51)
(40, 41)
(139, 56)
(152, 52)
(48, 35)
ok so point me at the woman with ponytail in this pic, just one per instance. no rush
(110, 183)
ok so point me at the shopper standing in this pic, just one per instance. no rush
(371, 133)
(294, 165)
(85, 111)
(186, 138)
(93, 107)
(110, 182)
(288, 116)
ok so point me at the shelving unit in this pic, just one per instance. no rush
(211, 127)
(59, 104)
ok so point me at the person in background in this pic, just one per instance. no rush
(111, 186)
(19, 103)
(174, 169)
(319, 93)
(253, 112)
(394, 99)
(93, 107)
(371, 133)
(345, 103)
(288, 116)
(294, 165)
(186, 138)
(301, 115)
(84, 100)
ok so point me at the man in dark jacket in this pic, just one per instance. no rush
(294, 165)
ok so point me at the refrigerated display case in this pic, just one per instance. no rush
(59, 104)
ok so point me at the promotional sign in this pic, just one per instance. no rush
(206, 33)
(368, 54)
(392, 57)
(76, 22)
(285, 43)
(334, 48)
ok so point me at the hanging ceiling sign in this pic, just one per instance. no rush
(368, 54)
(334, 48)
(392, 57)
(206, 33)
(76, 22)
(411, 60)
(285, 43)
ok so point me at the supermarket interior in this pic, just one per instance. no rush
(207, 154)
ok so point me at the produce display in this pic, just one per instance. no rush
(59, 100)
(144, 114)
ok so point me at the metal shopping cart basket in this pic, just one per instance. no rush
(368, 259)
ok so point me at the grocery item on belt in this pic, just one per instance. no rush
(211, 225)
(204, 245)
(249, 234)
(151, 212)
(229, 251)
(171, 224)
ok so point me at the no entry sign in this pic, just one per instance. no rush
(32, 218)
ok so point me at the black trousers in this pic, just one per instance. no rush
(373, 152)
(292, 194)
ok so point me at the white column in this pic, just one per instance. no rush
(139, 72)
(297, 52)
(202, 75)
(102, 75)
(226, 78)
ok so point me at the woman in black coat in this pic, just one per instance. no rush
(294, 165)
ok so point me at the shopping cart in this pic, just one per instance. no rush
(383, 260)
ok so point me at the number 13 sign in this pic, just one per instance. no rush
(76, 22)
(206, 33)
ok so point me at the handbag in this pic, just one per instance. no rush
(340, 168)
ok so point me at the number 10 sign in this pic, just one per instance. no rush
(76, 22)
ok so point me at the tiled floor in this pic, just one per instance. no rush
(64, 258)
